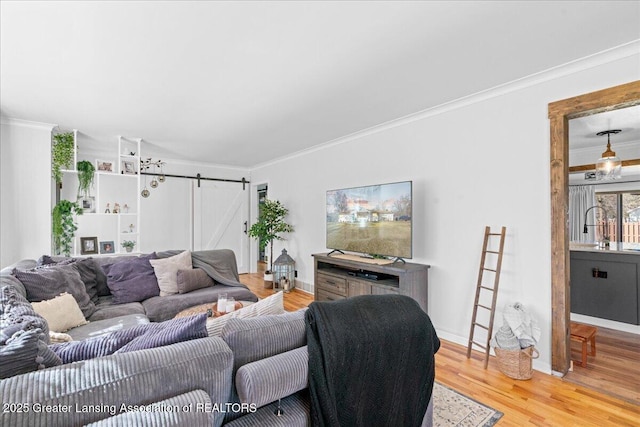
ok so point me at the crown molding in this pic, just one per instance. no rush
(597, 59)
(11, 121)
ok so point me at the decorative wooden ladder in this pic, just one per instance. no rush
(481, 287)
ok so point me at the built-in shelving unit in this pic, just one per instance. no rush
(116, 182)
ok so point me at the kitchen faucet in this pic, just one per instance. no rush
(605, 231)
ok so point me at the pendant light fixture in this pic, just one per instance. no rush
(609, 166)
(154, 181)
(145, 193)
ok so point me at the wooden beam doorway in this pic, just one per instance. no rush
(560, 113)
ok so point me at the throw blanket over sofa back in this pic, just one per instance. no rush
(371, 361)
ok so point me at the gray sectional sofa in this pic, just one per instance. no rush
(254, 374)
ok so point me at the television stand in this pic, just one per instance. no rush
(342, 276)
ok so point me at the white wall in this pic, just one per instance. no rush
(25, 190)
(479, 161)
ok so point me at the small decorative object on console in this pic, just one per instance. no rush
(284, 273)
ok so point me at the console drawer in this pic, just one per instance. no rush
(328, 296)
(332, 284)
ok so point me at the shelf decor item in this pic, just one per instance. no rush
(270, 225)
(88, 245)
(87, 203)
(128, 167)
(107, 247)
(104, 166)
(128, 245)
(62, 152)
(64, 226)
(85, 177)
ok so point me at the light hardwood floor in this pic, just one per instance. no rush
(544, 400)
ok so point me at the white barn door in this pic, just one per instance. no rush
(220, 215)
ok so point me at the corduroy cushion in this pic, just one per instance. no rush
(62, 313)
(23, 337)
(87, 268)
(264, 336)
(157, 414)
(48, 282)
(139, 337)
(267, 380)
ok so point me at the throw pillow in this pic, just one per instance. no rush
(62, 313)
(139, 337)
(190, 280)
(24, 352)
(48, 282)
(273, 304)
(23, 337)
(166, 270)
(86, 267)
(132, 280)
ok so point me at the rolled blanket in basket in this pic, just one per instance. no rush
(505, 339)
(524, 327)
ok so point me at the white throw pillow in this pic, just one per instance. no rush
(273, 304)
(61, 313)
(166, 270)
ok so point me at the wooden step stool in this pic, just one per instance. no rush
(583, 333)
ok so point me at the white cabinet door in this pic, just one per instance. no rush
(220, 215)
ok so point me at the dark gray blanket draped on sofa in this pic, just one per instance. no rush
(371, 361)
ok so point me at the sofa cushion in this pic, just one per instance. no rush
(166, 270)
(137, 338)
(23, 337)
(259, 337)
(271, 305)
(190, 280)
(159, 309)
(106, 309)
(158, 413)
(105, 326)
(47, 282)
(86, 267)
(62, 312)
(267, 380)
(132, 280)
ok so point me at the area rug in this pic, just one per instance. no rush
(451, 408)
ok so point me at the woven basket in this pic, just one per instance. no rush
(516, 364)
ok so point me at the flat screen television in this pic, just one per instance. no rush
(374, 220)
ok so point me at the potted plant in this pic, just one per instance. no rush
(270, 225)
(64, 226)
(61, 154)
(85, 178)
(128, 245)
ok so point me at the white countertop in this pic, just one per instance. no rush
(614, 247)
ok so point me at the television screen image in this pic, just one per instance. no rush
(374, 219)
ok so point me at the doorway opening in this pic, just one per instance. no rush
(560, 113)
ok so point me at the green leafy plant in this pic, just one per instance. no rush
(64, 226)
(128, 244)
(61, 154)
(270, 225)
(85, 177)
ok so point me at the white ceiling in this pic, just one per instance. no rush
(242, 83)
(583, 131)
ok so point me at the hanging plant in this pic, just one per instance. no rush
(64, 226)
(61, 154)
(269, 226)
(85, 177)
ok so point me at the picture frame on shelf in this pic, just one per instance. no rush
(128, 167)
(107, 247)
(88, 204)
(105, 166)
(88, 245)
